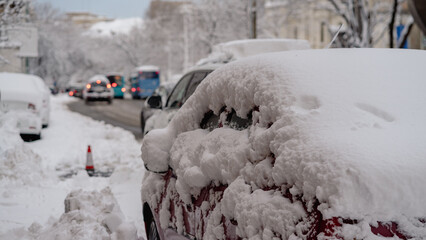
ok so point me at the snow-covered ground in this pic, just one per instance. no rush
(32, 191)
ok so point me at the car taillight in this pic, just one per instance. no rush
(133, 89)
(108, 85)
(71, 93)
(123, 89)
(139, 89)
(31, 106)
(114, 84)
(98, 81)
(88, 86)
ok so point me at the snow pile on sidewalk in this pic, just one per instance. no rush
(19, 163)
(340, 130)
(90, 215)
(32, 193)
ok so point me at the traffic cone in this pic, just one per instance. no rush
(89, 162)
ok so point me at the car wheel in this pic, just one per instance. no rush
(151, 231)
(45, 125)
(109, 101)
(86, 101)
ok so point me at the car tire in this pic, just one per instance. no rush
(86, 101)
(45, 125)
(109, 101)
(151, 231)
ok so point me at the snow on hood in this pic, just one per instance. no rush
(347, 130)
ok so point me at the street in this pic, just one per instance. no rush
(124, 113)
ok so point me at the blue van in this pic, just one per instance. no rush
(144, 80)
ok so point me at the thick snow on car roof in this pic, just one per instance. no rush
(98, 77)
(238, 49)
(18, 86)
(249, 47)
(147, 68)
(348, 129)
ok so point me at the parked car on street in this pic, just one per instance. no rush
(222, 54)
(24, 96)
(311, 144)
(98, 88)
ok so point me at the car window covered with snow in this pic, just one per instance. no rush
(312, 134)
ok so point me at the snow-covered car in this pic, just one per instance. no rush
(312, 144)
(222, 54)
(98, 88)
(22, 96)
(45, 91)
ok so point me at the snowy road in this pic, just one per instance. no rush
(124, 113)
(32, 193)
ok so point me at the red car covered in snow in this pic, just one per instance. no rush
(313, 144)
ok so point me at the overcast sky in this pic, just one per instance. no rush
(107, 8)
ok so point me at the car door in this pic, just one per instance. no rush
(212, 194)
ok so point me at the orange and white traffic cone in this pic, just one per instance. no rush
(89, 162)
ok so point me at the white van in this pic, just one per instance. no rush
(20, 95)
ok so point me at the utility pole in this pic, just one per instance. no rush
(253, 11)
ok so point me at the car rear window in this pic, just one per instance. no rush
(115, 79)
(101, 84)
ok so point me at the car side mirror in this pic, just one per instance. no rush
(155, 102)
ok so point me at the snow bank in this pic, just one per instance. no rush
(342, 127)
(89, 215)
(20, 165)
(32, 194)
